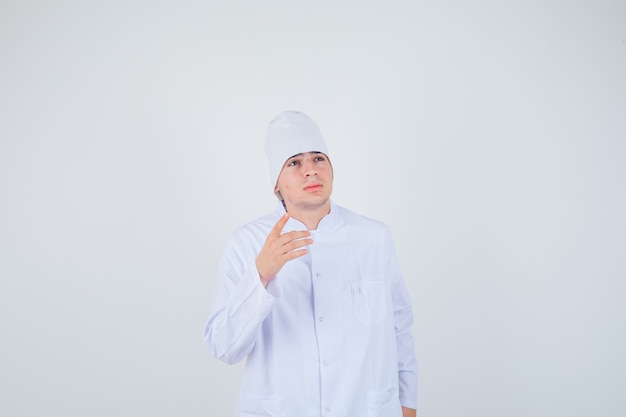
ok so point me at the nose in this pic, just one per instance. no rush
(309, 168)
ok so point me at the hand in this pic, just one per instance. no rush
(408, 412)
(279, 248)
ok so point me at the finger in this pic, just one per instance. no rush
(296, 244)
(278, 227)
(295, 254)
(294, 235)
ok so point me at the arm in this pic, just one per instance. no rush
(244, 296)
(403, 319)
(239, 307)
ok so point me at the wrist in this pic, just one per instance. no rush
(265, 280)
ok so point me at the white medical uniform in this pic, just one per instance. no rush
(330, 336)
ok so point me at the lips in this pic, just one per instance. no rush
(313, 187)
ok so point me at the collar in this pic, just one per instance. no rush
(329, 223)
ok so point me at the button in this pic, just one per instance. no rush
(327, 409)
(318, 275)
(325, 363)
(321, 318)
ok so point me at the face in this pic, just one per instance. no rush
(306, 181)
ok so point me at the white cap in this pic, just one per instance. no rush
(288, 134)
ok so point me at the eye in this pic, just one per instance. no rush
(293, 163)
(320, 158)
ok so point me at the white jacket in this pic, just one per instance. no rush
(330, 334)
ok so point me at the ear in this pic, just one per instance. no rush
(332, 170)
(277, 192)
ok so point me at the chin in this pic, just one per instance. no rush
(311, 203)
(318, 202)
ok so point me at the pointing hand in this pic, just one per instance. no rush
(280, 248)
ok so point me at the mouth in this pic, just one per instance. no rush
(313, 187)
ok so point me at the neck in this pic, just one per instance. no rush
(311, 217)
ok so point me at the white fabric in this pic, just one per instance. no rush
(330, 335)
(288, 134)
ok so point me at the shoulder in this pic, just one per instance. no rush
(256, 228)
(368, 235)
(361, 222)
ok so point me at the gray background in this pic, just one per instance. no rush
(489, 135)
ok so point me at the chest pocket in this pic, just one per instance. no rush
(369, 301)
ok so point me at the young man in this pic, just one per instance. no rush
(313, 297)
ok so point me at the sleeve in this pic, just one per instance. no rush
(403, 319)
(240, 305)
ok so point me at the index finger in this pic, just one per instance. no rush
(278, 227)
